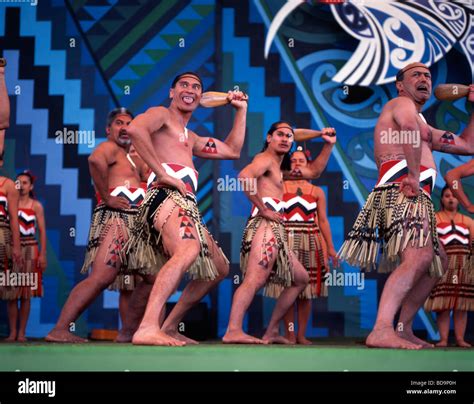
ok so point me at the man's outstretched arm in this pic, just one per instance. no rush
(316, 167)
(229, 149)
(447, 142)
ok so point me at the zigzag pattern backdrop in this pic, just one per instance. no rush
(70, 62)
(295, 83)
(67, 67)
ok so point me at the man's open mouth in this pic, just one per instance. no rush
(188, 99)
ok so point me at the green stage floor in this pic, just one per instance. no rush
(214, 356)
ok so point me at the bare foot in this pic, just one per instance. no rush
(291, 337)
(154, 336)
(64, 336)
(409, 336)
(239, 337)
(442, 344)
(21, 338)
(304, 341)
(180, 337)
(124, 336)
(463, 344)
(387, 338)
(10, 338)
(276, 339)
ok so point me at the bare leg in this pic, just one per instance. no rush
(258, 270)
(412, 303)
(415, 263)
(85, 292)
(304, 312)
(183, 249)
(443, 320)
(124, 304)
(285, 301)
(460, 322)
(193, 293)
(289, 321)
(24, 314)
(162, 317)
(138, 301)
(12, 310)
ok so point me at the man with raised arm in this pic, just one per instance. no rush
(398, 215)
(266, 259)
(171, 235)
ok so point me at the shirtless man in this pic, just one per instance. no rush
(172, 236)
(117, 180)
(265, 257)
(453, 179)
(4, 108)
(401, 207)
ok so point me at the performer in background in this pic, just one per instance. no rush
(10, 249)
(117, 179)
(455, 290)
(309, 237)
(265, 258)
(453, 179)
(125, 283)
(31, 220)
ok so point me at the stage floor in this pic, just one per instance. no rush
(215, 356)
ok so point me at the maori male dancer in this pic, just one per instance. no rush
(266, 259)
(117, 182)
(453, 180)
(4, 108)
(399, 214)
(170, 234)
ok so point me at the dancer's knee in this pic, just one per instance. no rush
(188, 252)
(223, 271)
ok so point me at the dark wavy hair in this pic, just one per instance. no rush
(285, 163)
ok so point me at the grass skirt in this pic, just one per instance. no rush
(304, 239)
(145, 250)
(27, 278)
(119, 222)
(455, 290)
(281, 275)
(388, 223)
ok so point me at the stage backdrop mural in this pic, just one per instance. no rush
(313, 64)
